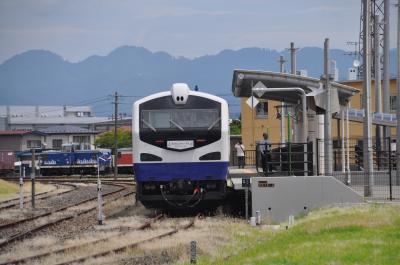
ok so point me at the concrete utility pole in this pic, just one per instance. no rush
(328, 113)
(281, 69)
(367, 141)
(115, 135)
(292, 50)
(378, 87)
(293, 66)
(386, 66)
(398, 96)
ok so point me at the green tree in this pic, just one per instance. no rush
(235, 127)
(106, 139)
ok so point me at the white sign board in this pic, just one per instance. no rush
(259, 89)
(180, 145)
(252, 102)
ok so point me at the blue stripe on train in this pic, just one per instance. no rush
(188, 170)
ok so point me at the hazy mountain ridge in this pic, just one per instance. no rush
(43, 77)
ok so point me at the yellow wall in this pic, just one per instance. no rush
(252, 128)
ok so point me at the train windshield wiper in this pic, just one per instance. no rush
(177, 125)
(214, 123)
(149, 125)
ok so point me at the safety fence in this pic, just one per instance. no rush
(282, 159)
(348, 167)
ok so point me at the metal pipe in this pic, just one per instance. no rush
(328, 113)
(33, 172)
(293, 66)
(386, 64)
(342, 136)
(281, 69)
(347, 144)
(398, 96)
(116, 135)
(367, 141)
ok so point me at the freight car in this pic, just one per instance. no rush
(7, 160)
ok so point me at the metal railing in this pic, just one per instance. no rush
(283, 159)
(382, 183)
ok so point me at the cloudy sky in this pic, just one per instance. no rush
(76, 29)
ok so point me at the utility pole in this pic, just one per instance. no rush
(328, 113)
(33, 168)
(293, 66)
(378, 87)
(367, 141)
(292, 50)
(282, 69)
(386, 66)
(115, 135)
(398, 96)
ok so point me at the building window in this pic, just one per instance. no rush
(33, 143)
(57, 144)
(393, 103)
(81, 139)
(262, 110)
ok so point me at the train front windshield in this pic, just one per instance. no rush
(180, 119)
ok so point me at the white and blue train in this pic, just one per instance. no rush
(181, 148)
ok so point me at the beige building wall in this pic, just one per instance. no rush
(253, 128)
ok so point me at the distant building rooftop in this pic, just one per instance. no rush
(14, 111)
(19, 133)
(66, 129)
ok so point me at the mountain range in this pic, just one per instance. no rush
(39, 77)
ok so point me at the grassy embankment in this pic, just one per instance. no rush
(10, 190)
(366, 234)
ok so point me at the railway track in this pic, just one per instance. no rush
(129, 246)
(108, 251)
(145, 225)
(121, 191)
(44, 195)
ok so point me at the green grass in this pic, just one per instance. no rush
(366, 234)
(7, 188)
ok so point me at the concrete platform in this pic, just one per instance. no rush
(278, 197)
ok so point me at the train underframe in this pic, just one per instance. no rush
(57, 171)
(181, 193)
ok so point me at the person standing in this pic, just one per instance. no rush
(264, 148)
(240, 153)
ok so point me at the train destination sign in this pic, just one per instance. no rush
(179, 145)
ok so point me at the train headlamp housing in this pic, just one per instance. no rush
(180, 93)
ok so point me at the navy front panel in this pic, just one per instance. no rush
(189, 170)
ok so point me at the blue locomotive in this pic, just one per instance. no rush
(69, 161)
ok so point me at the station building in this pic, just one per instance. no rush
(263, 117)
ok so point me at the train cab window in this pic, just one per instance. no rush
(180, 119)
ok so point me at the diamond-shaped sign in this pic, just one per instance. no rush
(252, 102)
(259, 89)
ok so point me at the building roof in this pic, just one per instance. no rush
(19, 133)
(58, 120)
(40, 111)
(244, 80)
(66, 129)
